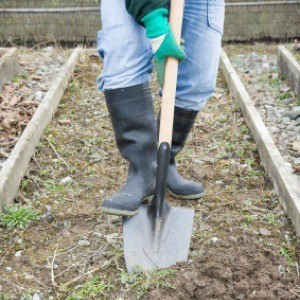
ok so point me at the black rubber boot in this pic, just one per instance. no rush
(177, 186)
(132, 116)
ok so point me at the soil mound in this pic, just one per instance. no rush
(235, 269)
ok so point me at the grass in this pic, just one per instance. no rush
(143, 281)
(18, 217)
(94, 288)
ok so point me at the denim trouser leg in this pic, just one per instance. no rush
(127, 54)
(124, 48)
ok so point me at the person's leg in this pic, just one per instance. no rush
(124, 48)
(202, 31)
(127, 54)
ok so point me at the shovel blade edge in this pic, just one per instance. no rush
(173, 245)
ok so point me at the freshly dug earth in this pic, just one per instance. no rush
(235, 268)
(243, 246)
(20, 98)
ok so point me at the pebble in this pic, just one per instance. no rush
(39, 95)
(48, 50)
(274, 129)
(214, 239)
(28, 277)
(290, 128)
(8, 269)
(66, 180)
(293, 115)
(233, 240)
(284, 135)
(36, 297)
(296, 109)
(83, 243)
(18, 253)
(286, 121)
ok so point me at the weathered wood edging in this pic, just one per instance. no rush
(9, 65)
(289, 68)
(284, 181)
(16, 165)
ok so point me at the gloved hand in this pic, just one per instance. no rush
(162, 40)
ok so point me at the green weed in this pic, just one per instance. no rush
(91, 289)
(142, 281)
(18, 217)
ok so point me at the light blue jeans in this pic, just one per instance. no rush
(127, 54)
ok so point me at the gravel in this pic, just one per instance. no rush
(276, 103)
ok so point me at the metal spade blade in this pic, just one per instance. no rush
(159, 236)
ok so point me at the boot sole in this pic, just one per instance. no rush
(124, 213)
(187, 197)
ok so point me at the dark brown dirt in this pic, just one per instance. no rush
(235, 268)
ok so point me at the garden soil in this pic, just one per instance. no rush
(243, 245)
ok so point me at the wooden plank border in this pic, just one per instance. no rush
(285, 183)
(16, 165)
(289, 68)
(9, 65)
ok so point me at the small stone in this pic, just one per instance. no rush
(83, 243)
(285, 89)
(28, 277)
(36, 297)
(233, 240)
(66, 180)
(18, 253)
(288, 100)
(214, 239)
(39, 96)
(284, 135)
(274, 129)
(48, 50)
(293, 115)
(265, 232)
(290, 128)
(296, 109)
(8, 268)
(55, 267)
(281, 269)
(49, 217)
(286, 121)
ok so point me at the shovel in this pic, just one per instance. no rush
(159, 236)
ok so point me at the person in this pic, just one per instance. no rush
(133, 31)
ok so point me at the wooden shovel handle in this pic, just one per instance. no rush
(170, 79)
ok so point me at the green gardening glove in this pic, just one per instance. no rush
(163, 42)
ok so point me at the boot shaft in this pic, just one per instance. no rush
(132, 115)
(183, 122)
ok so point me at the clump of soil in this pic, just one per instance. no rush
(235, 269)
